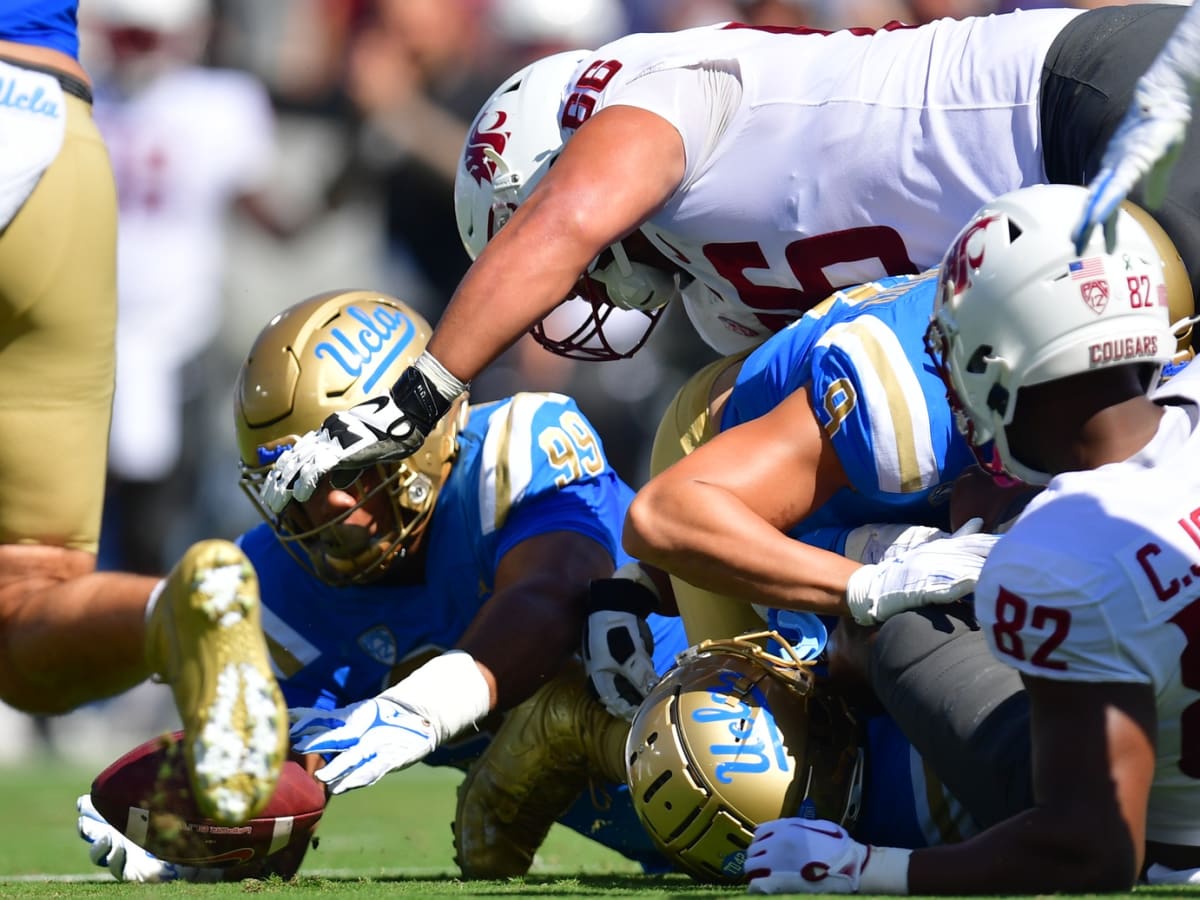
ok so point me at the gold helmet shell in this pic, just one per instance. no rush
(732, 737)
(1179, 287)
(325, 354)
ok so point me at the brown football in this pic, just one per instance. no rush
(147, 797)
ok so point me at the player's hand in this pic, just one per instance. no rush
(389, 427)
(367, 740)
(1145, 145)
(878, 542)
(938, 571)
(813, 856)
(124, 859)
(618, 647)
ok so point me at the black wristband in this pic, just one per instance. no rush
(419, 400)
(622, 595)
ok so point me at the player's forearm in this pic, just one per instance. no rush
(521, 276)
(523, 643)
(712, 540)
(1034, 852)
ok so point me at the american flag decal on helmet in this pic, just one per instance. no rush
(481, 138)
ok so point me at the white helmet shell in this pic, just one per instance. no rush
(1017, 307)
(512, 142)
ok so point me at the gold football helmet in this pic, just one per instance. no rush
(322, 355)
(734, 736)
(1179, 287)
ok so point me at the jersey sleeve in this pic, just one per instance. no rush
(543, 469)
(1050, 614)
(696, 94)
(868, 398)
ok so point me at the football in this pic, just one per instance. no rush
(147, 797)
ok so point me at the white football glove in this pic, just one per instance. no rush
(388, 427)
(938, 571)
(879, 542)
(618, 647)
(1160, 874)
(369, 739)
(813, 856)
(124, 859)
(1150, 136)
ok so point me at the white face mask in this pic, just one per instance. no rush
(635, 285)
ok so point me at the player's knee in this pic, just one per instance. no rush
(912, 636)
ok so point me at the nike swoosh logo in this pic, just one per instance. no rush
(836, 833)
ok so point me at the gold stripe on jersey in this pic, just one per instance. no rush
(898, 417)
(505, 470)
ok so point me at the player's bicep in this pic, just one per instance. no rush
(781, 465)
(613, 173)
(556, 559)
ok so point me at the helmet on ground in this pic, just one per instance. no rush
(322, 355)
(1017, 307)
(512, 143)
(732, 737)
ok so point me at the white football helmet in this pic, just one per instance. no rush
(1016, 307)
(732, 737)
(320, 356)
(513, 141)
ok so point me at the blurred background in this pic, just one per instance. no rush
(268, 151)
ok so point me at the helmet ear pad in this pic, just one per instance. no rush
(729, 739)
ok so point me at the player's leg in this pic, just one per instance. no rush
(67, 636)
(1087, 85)
(692, 418)
(965, 712)
(67, 633)
(540, 761)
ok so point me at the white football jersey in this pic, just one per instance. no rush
(817, 160)
(1099, 580)
(182, 151)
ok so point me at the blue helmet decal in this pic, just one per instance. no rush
(373, 348)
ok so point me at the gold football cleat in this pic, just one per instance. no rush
(205, 639)
(541, 759)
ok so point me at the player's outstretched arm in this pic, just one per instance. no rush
(396, 728)
(719, 517)
(1094, 753)
(611, 175)
(1147, 142)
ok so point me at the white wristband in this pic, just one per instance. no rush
(633, 571)
(447, 384)
(885, 871)
(449, 691)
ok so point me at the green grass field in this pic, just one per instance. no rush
(390, 840)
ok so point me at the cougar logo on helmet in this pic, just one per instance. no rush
(962, 259)
(475, 157)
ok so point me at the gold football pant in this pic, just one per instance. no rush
(694, 417)
(58, 305)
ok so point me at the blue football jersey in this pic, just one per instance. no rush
(861, 355)
(528, 465)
